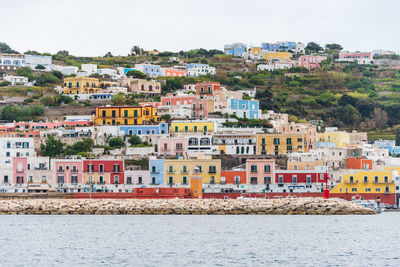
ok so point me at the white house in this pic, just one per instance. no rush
(66, 70)
(33, 61)
(196, 70)
(17, 80)
(89, 68)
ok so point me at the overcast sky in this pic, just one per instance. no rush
(94, 27)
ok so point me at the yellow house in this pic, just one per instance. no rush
(276, 56)
(192, 126)
(81, 85)
(126, 115)
(255, 51)
(281, 143)
(367, 182)
(340, 138)
(304, 165)
(180, 170)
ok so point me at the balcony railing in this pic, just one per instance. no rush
(212, 171)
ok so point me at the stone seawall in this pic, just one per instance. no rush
(312, 206)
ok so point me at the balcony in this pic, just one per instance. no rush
(212, 171)
(60, 170)
(20, 171)
(350, 182)
(74, 170)
(253, 171)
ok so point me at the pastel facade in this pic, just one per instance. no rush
(192, 127)
(68, 174)
(281, 144)
(126, 115)
(340, 138)
(255, 52)
(304, 165)
(153, 71)
(179, 171)
(275, 65)
(137, 177)
(235, 49)
(300, 181)
(311, 61)
(11, 62)
(308, 129)
(359, 57)
(233, 177)
(102, 172)
(244, 108)
(140, 86)
(140, 130)
(16, 147)
(172, 146)
(235, 144)
(157, 171)
(269, 56)
(207, 88)
(169, 72)
(202, 107)
(196, 70)
(81, 85)
(260, 171)
(367, 182)
(89, 68)
(16, 80)
(359, 163)
(172, 100)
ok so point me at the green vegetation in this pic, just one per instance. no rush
(116, 142)
(54, 147)
(21, 113)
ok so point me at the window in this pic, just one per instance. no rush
(101, 179)
(376, 179)
(170, 180)
(377, 189)
(204, 141)
(288, 141)
(116, 168)
(267, 168)
(367, 189)
(60, 179)
(253, 180)
(116, 179)
(308, 178)
(267, 180)
(365, 179)
(186, 129)
(253, 168)
(354, 189)
(237, 180)
(140, 180)
(195, 128)
(280, 179)
(184, 169)
(153, 168)
(129, 180)
(212, 180)
(386, 179)
(212, 169)
(294, 179)
(170, 169)
(276, 141)
(74, 179)
(6, 179)
(351, 179)
(101, 168)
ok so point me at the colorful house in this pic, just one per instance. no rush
(68, 174)
(174, 99)
(359, 163)
(170, 72)
(233, 177)
(153, 71)
(140, 86)
(171, 146)
(281, 144)
(243, 108)
(235, 49)
(300, 181)
(178, 171)
(307, 128)
(81, 85)
(126, 115)
(192, 126)
(200, 108)
(139, 130)
(311, 61)
(268, 56)
(207, 88)
(367, 182)
(340, 138)
(103, 171)
(260, 171)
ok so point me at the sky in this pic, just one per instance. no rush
(94, 27)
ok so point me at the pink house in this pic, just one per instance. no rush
(202, 107)
(173, 99)
(68, 171)
(137, 177)
(153, 104)
(171, 146)
(20, 170)
(311, 62)
(354, 56)
(260, 171)
(174, 72)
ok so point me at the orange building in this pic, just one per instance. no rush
(207, 88)
(233, 177)
(359, 163)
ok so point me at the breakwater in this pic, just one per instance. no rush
(312, 206)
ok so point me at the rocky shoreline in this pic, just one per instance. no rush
(311, 206)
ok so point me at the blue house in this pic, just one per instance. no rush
(280, 46)
(389, 145)
(325, 144)
(244, 108)
(157, 171)
(139, 130)
(235, 49)
(153, 71)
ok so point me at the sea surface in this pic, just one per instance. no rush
(200, 240)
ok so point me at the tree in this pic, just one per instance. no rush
(4, 83)
(119, 99)
(134, 140)
(349, 115)
(165, 117)
(398, 137)
(52, 147)
(46, 78)
(26, 72)
(380, 116)
(48, 100)
(329, 48)
(136, 74)
(79, 147)
(116, 142)
(58, 74)
(108, 54)
(63, 53)
(172, 85)
(136, 50)
(5, 48)
(313, 47)
(40, 67)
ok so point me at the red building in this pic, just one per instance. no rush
(234, 177)
(173, 99)
(295, 177)
(359, 163)
(104, 171)
(207, 88)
